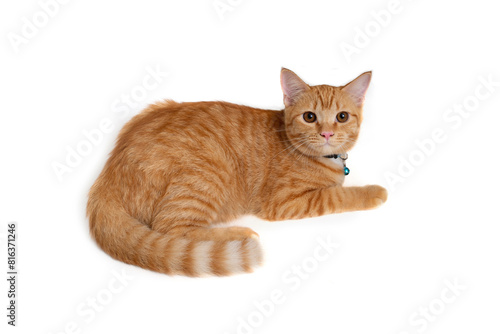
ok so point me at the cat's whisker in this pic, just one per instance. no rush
(300, 138)
(291, 145)
(343, 149)
(304, 156)
(300, 143)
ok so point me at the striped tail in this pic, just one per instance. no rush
(221, 251)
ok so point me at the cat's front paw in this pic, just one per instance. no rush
(375, 196)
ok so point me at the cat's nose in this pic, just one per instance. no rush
(327, 135)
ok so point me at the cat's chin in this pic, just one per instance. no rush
(329, 149)
(320, 150)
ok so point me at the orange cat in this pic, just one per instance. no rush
(179, 168)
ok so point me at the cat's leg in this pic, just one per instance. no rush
(302, 203)
(188, 211)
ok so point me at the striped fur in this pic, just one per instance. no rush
(180, 169)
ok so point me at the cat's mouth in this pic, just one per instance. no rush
(329, 144)
(321, 147)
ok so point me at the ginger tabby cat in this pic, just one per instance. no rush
(179, 168)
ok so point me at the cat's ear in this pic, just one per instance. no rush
(357, 88)
(292, 86)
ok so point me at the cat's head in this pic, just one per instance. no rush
(323, 120)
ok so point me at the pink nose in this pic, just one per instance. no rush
(327, 135)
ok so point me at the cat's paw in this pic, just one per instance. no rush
(375, 196)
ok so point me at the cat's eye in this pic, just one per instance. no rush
(342, 117)
(309, 117)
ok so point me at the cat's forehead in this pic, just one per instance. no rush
(324, 97)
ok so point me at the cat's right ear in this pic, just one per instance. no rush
(292, 86)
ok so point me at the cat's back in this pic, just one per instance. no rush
(208, 116)
(182, 129)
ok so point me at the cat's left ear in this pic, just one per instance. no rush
(357, 88)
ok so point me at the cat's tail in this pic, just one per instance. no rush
(217, 251)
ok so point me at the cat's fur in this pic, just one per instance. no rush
(179, 168)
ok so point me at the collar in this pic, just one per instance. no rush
(341, 156)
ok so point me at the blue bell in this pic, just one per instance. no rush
(346, 171)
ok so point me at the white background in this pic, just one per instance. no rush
(440, 223)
